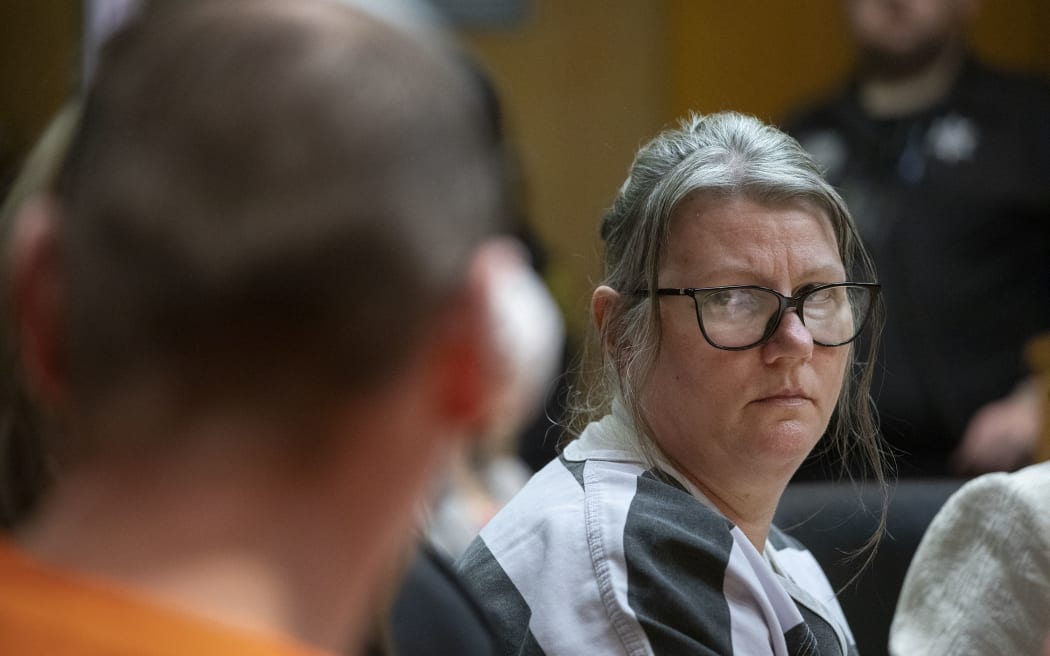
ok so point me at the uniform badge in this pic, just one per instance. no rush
(952, 139)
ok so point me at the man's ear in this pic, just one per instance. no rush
(469, 364)
(36, 295)
(603, 300)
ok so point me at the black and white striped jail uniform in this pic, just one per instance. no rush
(600, 554)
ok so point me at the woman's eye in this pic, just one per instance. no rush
(821, 296)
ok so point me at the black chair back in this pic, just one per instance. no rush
(833, 520)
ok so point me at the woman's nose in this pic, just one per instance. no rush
(791, 339)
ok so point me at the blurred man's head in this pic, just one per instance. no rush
(267, 204)
(256, 301)
(897, 38)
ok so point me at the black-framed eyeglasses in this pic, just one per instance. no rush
(739, 317)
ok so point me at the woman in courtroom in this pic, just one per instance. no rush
(735, 286)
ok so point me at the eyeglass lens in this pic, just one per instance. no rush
(738, 318)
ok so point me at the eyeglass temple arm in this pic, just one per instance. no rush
(665, 291)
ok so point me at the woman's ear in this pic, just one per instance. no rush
(603, 300)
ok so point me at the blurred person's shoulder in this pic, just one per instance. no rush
(435, 613)
(1027, 488)
(1017, 101)
(990, 508)
(830, 128)
(830, 109)
(1006, 85)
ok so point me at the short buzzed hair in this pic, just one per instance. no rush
(267, 187)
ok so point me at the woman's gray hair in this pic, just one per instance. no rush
(725, 155)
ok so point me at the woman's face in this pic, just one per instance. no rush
(752, 412)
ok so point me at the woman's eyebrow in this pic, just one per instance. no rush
(829, 271)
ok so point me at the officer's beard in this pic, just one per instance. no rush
(882, 65)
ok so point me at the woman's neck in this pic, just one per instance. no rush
(749, 507)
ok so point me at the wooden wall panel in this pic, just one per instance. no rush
(753, 56)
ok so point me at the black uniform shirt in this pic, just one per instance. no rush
(954, 205)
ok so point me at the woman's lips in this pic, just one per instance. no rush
(786, 399)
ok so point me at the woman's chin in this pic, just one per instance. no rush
(786, 443)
